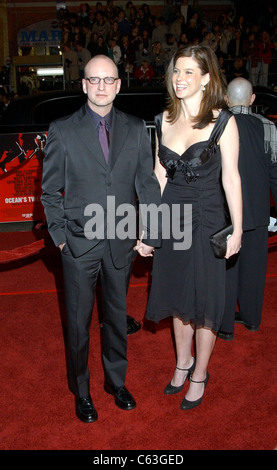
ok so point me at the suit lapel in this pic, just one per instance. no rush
(120, 130)
(85, 131)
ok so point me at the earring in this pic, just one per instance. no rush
(203, 87)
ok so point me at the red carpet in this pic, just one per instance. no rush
(238, 411)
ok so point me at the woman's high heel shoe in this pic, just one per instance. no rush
(187, 404)
(171, 389)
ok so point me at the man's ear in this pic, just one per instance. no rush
(253, 97)
(84, 85)
(118, 86)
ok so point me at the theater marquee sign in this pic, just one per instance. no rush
(41, 34)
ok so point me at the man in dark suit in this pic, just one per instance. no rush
(85, 194)
(235, 46)
(246, 272)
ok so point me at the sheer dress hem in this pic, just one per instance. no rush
(200, 322)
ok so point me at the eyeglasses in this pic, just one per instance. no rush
(96, 80)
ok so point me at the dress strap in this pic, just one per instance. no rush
(216, 133)
(220, 125)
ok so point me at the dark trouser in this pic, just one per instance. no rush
(245, 280)
(80, 278)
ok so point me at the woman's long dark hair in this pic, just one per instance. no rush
(215, 90)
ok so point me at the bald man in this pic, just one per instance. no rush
(246, 272)
(97, 162)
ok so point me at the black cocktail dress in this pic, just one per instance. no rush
(190, 283)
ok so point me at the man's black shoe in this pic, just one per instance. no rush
(238, 319)
(225, 335)
(123, 398)
(132, 325)
(85, 410)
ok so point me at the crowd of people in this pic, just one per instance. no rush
(141, 44)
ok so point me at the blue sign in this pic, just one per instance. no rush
(42, 34)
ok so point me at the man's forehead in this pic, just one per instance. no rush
(102, 67)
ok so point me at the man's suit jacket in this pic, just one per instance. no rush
(75, 175)
(258, 172)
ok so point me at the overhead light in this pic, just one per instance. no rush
(49, 71)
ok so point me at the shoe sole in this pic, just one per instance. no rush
(122, 407)
(251, 328)
(225, 337)
(248, 327)
(126, 408)
(87, 420)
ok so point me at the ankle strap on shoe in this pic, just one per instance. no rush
(197, 381)
(190, 368)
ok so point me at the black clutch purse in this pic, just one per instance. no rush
(219, 239)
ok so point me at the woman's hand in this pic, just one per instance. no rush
(233, 245)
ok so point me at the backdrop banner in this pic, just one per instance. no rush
(21, 158)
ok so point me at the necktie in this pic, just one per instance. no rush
(104, 139)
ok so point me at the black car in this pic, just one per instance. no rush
(23, 134)
(41, 109)
(265, 103)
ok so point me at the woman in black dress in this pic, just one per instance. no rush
(196, 163)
